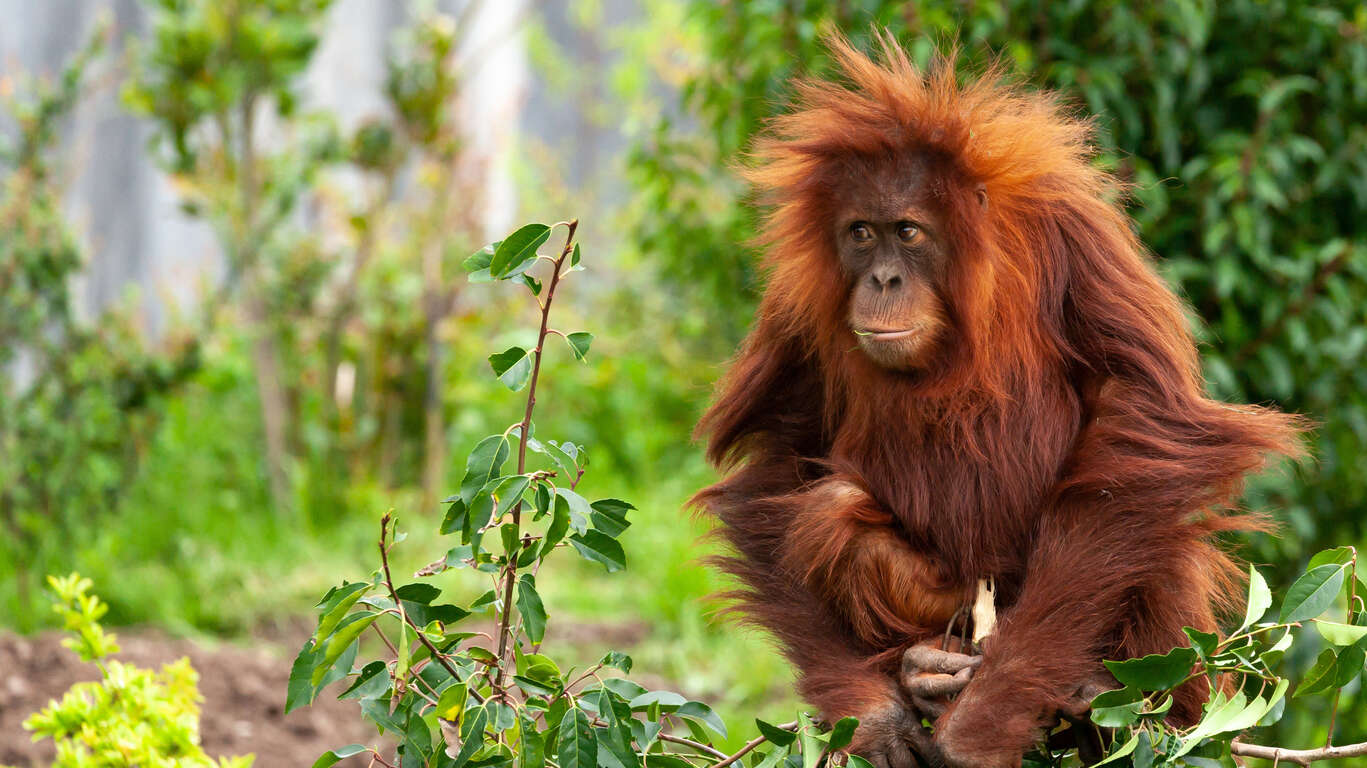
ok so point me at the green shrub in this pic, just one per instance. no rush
(131, 716)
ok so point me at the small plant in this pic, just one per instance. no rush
(131, 716)
(452, 695)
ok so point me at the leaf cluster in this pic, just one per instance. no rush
(1240, 671)
(452, 695)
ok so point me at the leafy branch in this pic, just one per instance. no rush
(453, 697)
(1247, 659)
(524, 433)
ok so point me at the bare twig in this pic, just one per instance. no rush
(376, 758)
(1297, 756)
(751, 744)
(701, 747)
(437, 656)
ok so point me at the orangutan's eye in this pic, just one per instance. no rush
(861, 232)
(907, 232)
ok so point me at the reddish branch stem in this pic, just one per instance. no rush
(510, 572)
(394, 595)
(751, 744)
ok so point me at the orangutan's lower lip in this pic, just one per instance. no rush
(886, 335)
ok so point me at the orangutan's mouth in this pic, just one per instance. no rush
(880, 334)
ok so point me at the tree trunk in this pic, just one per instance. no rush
(274, 408)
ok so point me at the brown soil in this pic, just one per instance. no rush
(243, 689)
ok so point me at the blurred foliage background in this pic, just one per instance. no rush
(216, 477)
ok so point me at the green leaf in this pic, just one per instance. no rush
(532, 752)
(1124, 750)
(610, 516)
(452, 702)
(1259, 599)
(1336, 556)
(1204, 643)
(699, 711)
(1320, 676)
(1349, 664)
(775, 734)
(373, 681)
(1155, 672)
(579, 509)
(617, 736)
(540, 668)
(529, 605)
(300, 691)
(423, 594)
(617, 660)
(484, 464)
(483, 655)
(842, 733)
(579, 344)
(1340, 634)
(416, 735)
(510, 492)
(562, 459)
(855, 761)
(812, 744)
(534, 687)
(600, 548)
(335, 605)
(377, 712)
(332, 756)
(1238, 713)
(577, 748)
(668, 701)
(654, 760)
(455, 518)
(624, 687)
(1116, 709)
(347, 631)
(541, 500)
(512, 366)
(472, 735)
(517, 250)
(1312, 593)
(560, 525)
(481, 259)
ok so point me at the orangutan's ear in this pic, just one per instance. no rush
(981, 192)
